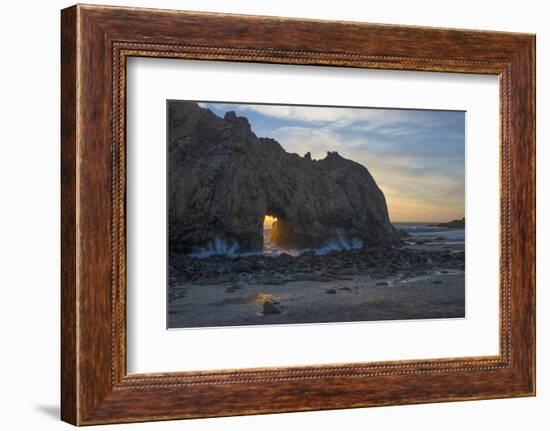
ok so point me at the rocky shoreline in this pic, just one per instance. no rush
(337, 265)
(422, 279)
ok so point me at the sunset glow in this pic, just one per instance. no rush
(268, 221)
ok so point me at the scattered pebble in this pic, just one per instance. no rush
(244, 271)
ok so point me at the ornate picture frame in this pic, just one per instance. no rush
(96, 41)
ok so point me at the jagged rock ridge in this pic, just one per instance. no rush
(223, 180)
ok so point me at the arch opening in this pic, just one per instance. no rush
(270, 224)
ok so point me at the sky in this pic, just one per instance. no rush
(415, 156)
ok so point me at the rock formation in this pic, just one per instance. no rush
(454, 224)
(223, 180)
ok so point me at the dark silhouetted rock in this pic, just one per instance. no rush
(223, 180)
(455, 224)
(270, 308)
(403, 233)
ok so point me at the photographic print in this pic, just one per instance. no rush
(292, 214)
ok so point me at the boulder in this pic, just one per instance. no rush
(403, 233)
(270, 308)
(223, 180)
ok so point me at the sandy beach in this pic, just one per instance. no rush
(422, 279)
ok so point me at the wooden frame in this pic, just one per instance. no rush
(95, 42)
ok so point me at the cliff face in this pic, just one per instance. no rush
(223, 180)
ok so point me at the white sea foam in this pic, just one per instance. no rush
(216, 247)
(230, 248)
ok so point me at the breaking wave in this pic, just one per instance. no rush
(230, 248)
(339, 244)
(217, 247)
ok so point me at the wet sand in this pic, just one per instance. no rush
(357, 299)
(424, 279)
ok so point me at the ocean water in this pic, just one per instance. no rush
(417, 230)
(219, 247)
(424, 230)
(272, 249)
